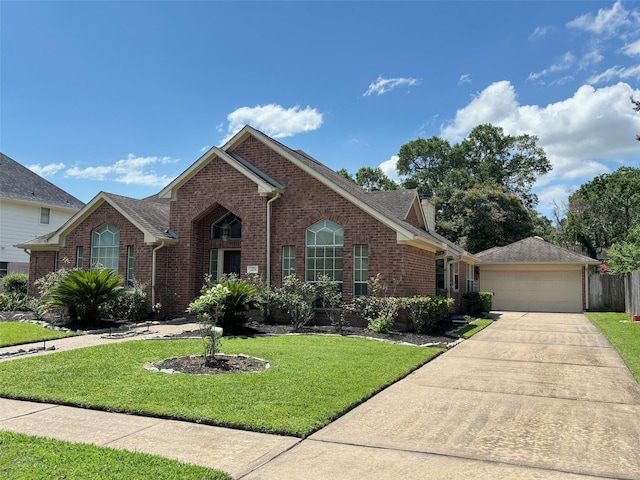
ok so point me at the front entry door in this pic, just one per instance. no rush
(232, 261)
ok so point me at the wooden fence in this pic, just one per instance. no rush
(632, 292)
(615, 293)
(606, 292)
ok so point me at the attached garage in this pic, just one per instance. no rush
(534, 275)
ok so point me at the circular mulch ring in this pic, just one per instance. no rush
(195, 364)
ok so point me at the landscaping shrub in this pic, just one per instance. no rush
(132, 304)
(378, 310)
(84, 293)
(264, 297)
(425, 312)
(15, 283)
(39, 304)
(297, 298)
(330, 301)
(477, 302)
(239, 298)
(13, 302)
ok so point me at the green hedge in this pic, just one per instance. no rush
(477, 303)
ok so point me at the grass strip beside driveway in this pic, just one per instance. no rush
(313, 379)
(19, 333)
(24, 457)
(623, 334)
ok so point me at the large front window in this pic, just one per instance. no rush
(325, 241)
(105, 241)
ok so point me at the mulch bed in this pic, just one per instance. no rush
(221, 364)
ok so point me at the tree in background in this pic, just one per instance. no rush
(484, 180)
(624, 257)
(603, 211)
(371, 179)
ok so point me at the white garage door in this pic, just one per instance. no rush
(534, 291)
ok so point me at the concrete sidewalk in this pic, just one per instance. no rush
(142, 332)
(534, 396)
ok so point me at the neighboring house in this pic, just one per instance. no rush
(254, 206)
(30, 206)
(534, 275)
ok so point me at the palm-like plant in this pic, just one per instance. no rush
(83, 292)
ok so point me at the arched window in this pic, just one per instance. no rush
(105, 241)
(228, 227)
(325, 241)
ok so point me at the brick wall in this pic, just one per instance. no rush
(42, 262)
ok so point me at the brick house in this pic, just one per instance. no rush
(255, 206)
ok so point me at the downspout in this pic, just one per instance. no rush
(153, 274)
(268, 271)
(585, 292)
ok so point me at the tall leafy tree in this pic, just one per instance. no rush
(624, 257)
(603, 211)
(504, 166)
(371, 179)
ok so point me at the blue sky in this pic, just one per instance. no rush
(123, 96)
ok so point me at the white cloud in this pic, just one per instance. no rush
(585, 135)
(540, 32)
(389, 168)
(565, 63)
(632, 49)
(131, 171)
(47, 170)
(384, 85)
(607, 22)
(465, 78)
(616, 73)
(274, 120)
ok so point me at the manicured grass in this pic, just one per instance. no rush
(312, 380)
(18, 333)
(473, 327)
(623, 335)
(24, 457)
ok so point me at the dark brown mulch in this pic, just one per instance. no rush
(439, 334)
(220, 364)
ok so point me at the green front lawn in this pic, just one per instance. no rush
(623, 335)
(18, 333)
(25, 457)
(473, 327)
(312, 380)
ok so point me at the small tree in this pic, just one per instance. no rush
(297, 298)
(209, 307)
(84, 293)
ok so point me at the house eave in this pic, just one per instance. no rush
(170, 191)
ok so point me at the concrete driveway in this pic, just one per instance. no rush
(535, 395)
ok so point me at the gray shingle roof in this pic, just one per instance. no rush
(532, 250)
(399, 202)
(19, 183)
(151, 214)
